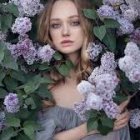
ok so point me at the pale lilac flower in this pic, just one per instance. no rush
(31, 7)
(134, 74)
(22, 25)
(94, 50)
(135, 36)
(130, 14)
(2, 36)
(135, 118)
(108, 62)
(45, 53)
(25, 49)
(2, 119)
(133, 50)
(28, 7)
(111, 109)
(85, 87)
(126, 27)
(106, 11)
(94, 101)
(11, 102)
(113, 2)
(106, 83)
(135, 4)
(80, 108)
(126, 63)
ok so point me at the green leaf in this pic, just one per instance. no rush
(96, 2)
(107, 122)
(90, 13)
(9, 61)
(32, 85)
(22, 137)
(100, 32)
(111, 23)
(29, 128)
(12, 121)
(7, 134)
(44, 92)
(6, 22)
(2, 75)
(92, 124)
(57, 56)
(13, 9)
(3, 93)
(104, 130)
(11, 84)
(63, 69)
(69, 64)
(30, 101)
(110, 41)
(2, 48)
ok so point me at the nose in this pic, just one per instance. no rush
(65, 30)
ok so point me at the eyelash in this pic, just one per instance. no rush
(57, 25)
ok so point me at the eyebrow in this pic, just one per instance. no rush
(57, 19)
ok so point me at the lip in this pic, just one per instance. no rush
(66, 43)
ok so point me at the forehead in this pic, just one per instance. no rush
(63, 9)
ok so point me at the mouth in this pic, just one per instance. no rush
(66, 43)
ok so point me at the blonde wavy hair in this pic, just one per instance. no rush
(83, 67)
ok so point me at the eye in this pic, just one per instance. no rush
(75, 23)
(55, 25)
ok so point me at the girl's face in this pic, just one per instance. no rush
(65, 28)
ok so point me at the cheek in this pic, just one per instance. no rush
(54, 36)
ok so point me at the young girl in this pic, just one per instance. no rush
(63, 26)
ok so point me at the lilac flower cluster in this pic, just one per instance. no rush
(24, 48)
(130, 63)
(45, 53)
(124, 11)
(2, 36)
(11, 102)
(31, 52)
(28, 7)
(94, 50)
(135, 118)
(22, 25)
(135, 36)
(99, 90)
(2, 119)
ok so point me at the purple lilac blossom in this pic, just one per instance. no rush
(22, 25)
(28, 7)
(111, 109)
(11, 102)
(94, 50)
(135, 4)
(130, 14)
(94, 101)
(135, 36)
(126, 27)
(2, 36)
(133, 50)
(105, 85)
(45, 53)
(106, 11)
(31, 7)
(113, 2)
(24, 48)
(134, 74)
(126, 63)
(135, 118)
(85, 87)
(108, 62)
(2, 119)
(80, 109)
